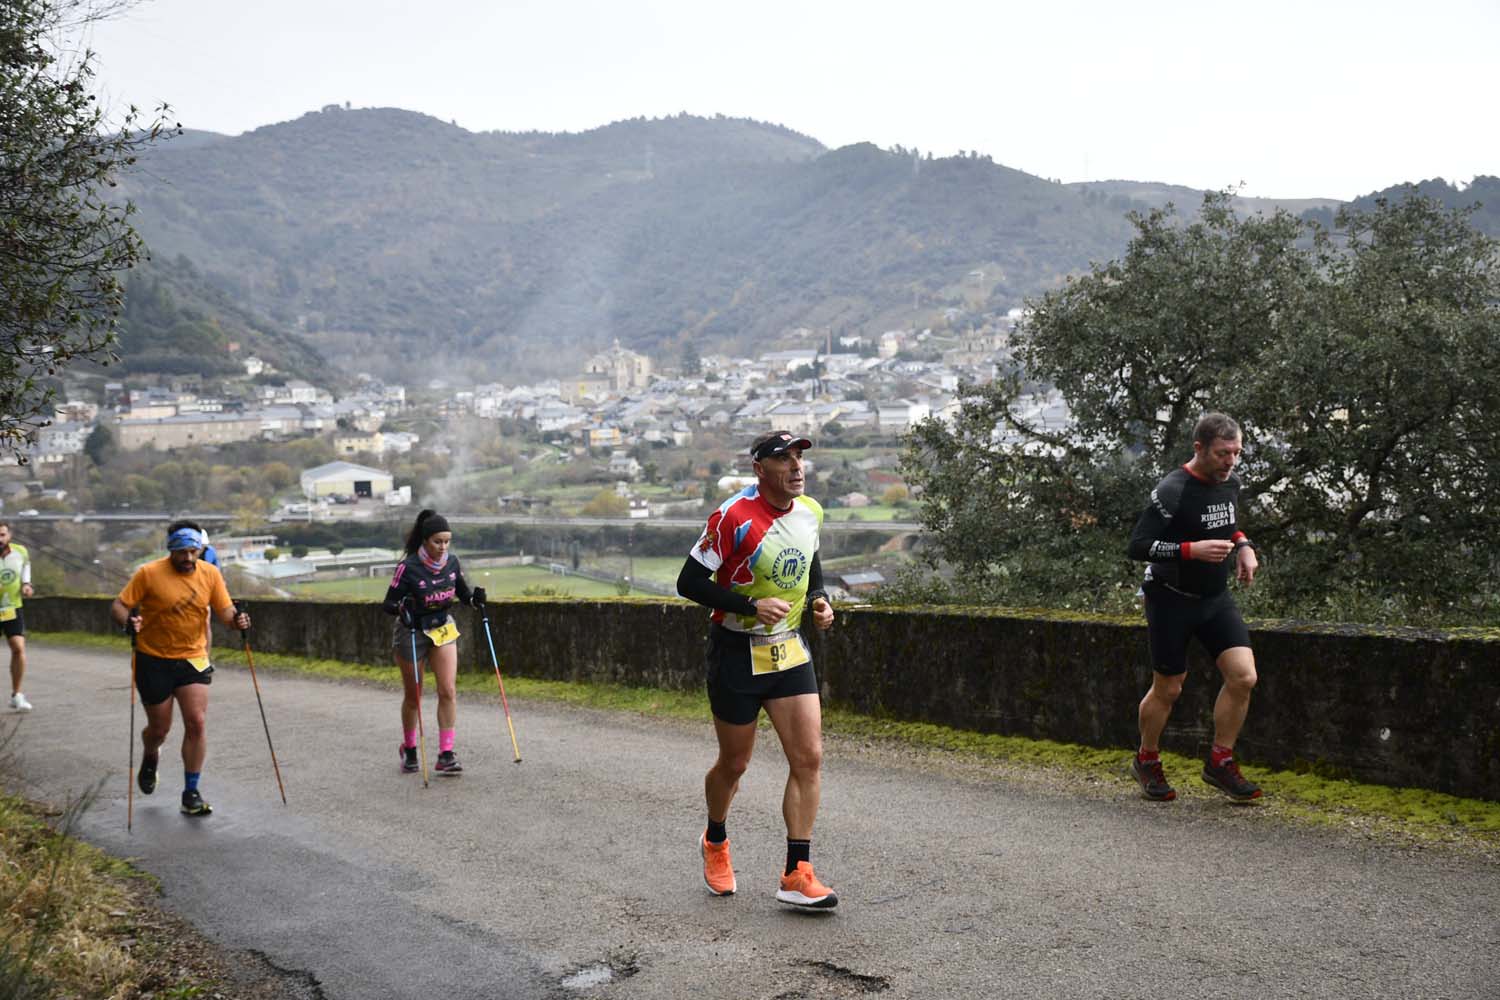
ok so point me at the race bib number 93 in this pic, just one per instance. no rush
(771, 654)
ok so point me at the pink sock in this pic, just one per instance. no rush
(445, 740)
(411, 738)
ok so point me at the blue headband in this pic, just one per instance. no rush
(184, 538)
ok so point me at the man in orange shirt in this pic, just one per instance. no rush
(164, 605)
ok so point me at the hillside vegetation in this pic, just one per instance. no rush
(384, 235)
(378, 237)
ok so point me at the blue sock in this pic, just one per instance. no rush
(190, 780)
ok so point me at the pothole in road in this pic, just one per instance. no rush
(588, 977)
(601, 973)
(850, 978)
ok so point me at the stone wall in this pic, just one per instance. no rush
(1397, 706)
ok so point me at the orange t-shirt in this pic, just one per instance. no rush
(174, 607)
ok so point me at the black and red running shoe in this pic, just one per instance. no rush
(1153, 780)
(1228, 779)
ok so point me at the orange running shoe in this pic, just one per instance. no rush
(718, 871)
(802, 888)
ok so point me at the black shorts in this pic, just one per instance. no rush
(1172, 619)
(734, 693)
(157, 677)
(16, 626)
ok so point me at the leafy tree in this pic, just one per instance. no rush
(606, 503)
(1381, 456)
(272, 553)
(63, 246)
(1135, 348)
(100, 444)
(277, 475)
(1363, 364)
(299, 551)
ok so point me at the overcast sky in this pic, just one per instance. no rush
(1314, 98)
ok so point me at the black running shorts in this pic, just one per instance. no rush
(1172, 619)
(156, 677)
(16, 626)
(734, 693)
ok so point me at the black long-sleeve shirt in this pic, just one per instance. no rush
(1185, 509)
(431, 593)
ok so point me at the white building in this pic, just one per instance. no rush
(56, 442)
(347, 479)
(622, 463)
(899, 415)
(789, 361)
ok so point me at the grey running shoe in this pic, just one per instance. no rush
(447, 763)
(408, 759)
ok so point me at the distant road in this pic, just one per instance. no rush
(693, 523)
(146, 516)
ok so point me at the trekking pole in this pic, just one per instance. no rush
(250, 660)
(416, 670)
(130, 774)
(485, 617)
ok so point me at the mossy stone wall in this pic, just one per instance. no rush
(1407, 707)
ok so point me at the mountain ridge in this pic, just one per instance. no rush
(381, 236)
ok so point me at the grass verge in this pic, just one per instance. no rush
(1412, 814)
(75, 922)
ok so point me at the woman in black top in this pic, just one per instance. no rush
(426, 584)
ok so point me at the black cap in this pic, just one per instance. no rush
(775, 443)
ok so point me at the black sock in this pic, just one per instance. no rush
(716, 832)
(797, 850)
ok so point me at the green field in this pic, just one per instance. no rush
(504, 581)
(660, 570)
(874, 512)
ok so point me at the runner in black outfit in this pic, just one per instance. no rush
(1188, 534)
(426, 584)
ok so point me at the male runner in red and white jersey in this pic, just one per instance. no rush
(756, 565)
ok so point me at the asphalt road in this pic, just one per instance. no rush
(580, 866)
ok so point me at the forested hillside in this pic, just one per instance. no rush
(384, 239)
(387, 236)
(1483, 192)
(177, 322)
